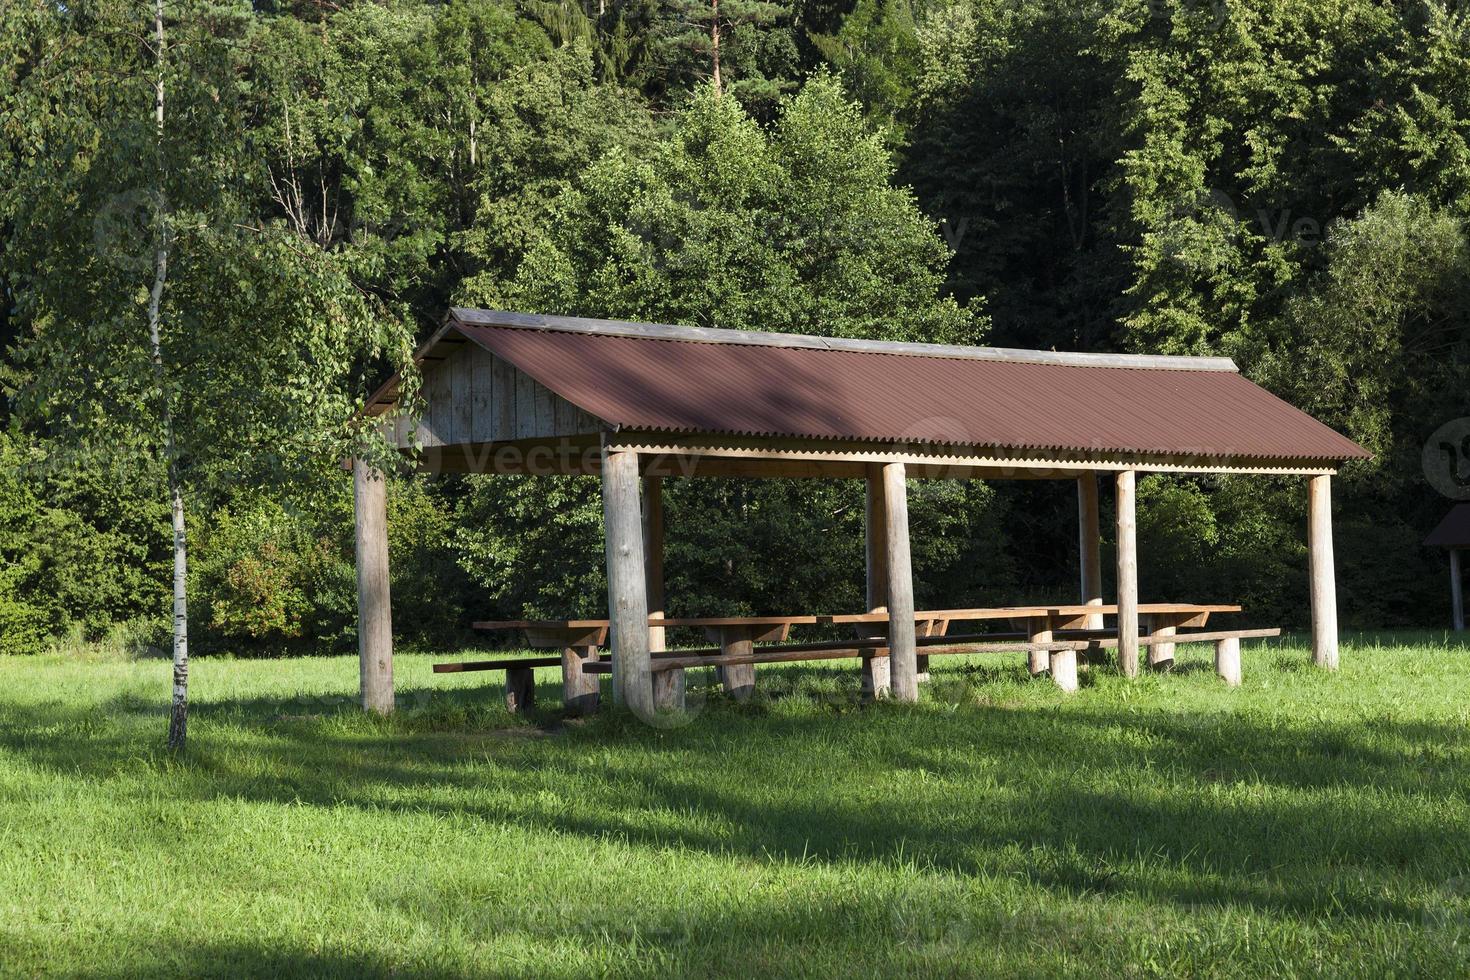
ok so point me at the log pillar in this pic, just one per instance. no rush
(738, 679)
(668, 685)
(1323, 576)
(627, 599)
(1127, 574)
(902, 648)
(374, 605)
(1457, 596)
(876, 682)
(520, 690)
(1089, 548)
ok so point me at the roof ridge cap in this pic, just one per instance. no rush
(723, 335)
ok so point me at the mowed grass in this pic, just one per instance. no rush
(1306, 824)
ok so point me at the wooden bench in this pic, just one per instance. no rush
(737, 636)
(577, 639)
(1052, 636)
(1227, 643)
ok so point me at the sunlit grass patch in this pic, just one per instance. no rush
(1305, 823)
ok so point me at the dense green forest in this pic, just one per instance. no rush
(1285, 182)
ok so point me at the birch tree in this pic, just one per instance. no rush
(165, 316)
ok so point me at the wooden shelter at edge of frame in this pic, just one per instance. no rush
(1453, 534)
(637, 402)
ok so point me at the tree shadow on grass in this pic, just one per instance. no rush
(1273, 813)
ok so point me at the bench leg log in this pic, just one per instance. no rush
(876, 678)
(579, 690)
(1227, 660)
(1161, 652)
(923, 668)
(668, 690)
(739, 680)
(1039, 661)
(520, 689)
(1064, 669)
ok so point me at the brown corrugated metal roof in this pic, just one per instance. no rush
(1453, 531)
(688, 380)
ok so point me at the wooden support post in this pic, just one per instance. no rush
(627, 600)
(1127, 575)
(520, 689)
(902, 649)
(1089, 547)
(374, 605)
(1161, 654)
(668, 686)
(1457, 595)
(1039, 661)
(1324, 579)
(1064, 669)
(1227, 660)
(579, 690)
(876, 682)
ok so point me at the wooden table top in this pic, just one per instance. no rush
(539, 624)
(923, 615)
(708, 621)
(1027, 612)
(705, 621)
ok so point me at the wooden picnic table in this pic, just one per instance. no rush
(1042, 622)
(736, 636)
(1065, 625)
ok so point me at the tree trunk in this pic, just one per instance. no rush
(178, 719)
(178, 722)
(714, 37)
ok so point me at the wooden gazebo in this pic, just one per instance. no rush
(636, 402)
(1453, 534)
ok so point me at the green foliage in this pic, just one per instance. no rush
(877, 52)
(432, 593)
(535, 545)
(278, 578)
(269, 578)
(744, 47)
(1380, 335)
(727, 224)
(81, 550)
(1284, 182)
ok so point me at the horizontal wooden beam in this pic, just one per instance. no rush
(936, 460)
(508, 664)
(940, 646)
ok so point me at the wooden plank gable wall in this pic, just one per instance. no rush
(472, 396)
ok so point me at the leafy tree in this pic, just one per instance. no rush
(795, 229)
(739, 47)
(725, 224)
(1011, 139)
(169, 319)
(876, 52)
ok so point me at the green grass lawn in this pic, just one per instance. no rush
(1307, 823)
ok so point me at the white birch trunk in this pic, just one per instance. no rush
(178, 721)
